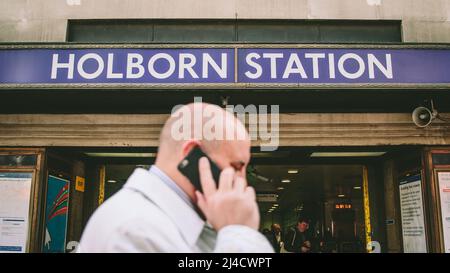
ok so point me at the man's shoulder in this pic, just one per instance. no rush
(127, 214)
(130, 200)
(128, 204)
(292, 229)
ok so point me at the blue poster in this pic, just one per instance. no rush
(56, 214)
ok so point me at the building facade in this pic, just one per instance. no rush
(84, 93)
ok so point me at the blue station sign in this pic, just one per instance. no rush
(228, 66)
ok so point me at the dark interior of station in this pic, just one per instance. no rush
(324, 184)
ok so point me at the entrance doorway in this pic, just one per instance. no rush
(349, 194)
(331, 197)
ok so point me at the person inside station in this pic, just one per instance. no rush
(298, 239)
(275, 237)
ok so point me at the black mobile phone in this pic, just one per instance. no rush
(189, 167)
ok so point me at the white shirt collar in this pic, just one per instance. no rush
(185, 217)
(171, 184)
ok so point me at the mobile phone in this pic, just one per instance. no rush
(189, 167)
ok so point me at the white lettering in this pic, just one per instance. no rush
(294, 60)
(347, 74)
(315, 61)
(187, 66)
(69, 66)
(95, 74)
(273, 63)
(386, 70)
(135, 60)
(253, 64)
(109, 70)
(208, 60)
(170, 70)
(331, 66)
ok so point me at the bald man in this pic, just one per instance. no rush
(160, 210)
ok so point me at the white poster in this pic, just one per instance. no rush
(444, 193)
(413, 224)
(15, 189)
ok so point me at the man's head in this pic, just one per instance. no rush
(276, 228)
(303, 224)
(204, 125)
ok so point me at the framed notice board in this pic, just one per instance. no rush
(443, 183)
(15, 195)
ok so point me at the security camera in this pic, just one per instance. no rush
(422, 116)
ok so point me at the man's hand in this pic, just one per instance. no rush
(308, 244)
(306, 247)
(232, 203)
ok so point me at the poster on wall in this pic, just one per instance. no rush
(15, 190)
(444, 194)
(56, 214)
(412, 215)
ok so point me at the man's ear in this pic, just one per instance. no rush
(188, 146)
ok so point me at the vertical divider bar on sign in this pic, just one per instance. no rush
(235, 65)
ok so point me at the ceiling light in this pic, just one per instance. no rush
(347, 154)
(341, 195)
(285, 181)
(293, 171)
(280, 188)
(357, 187)
(275, 205)
(121, 154)
(111, 181)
